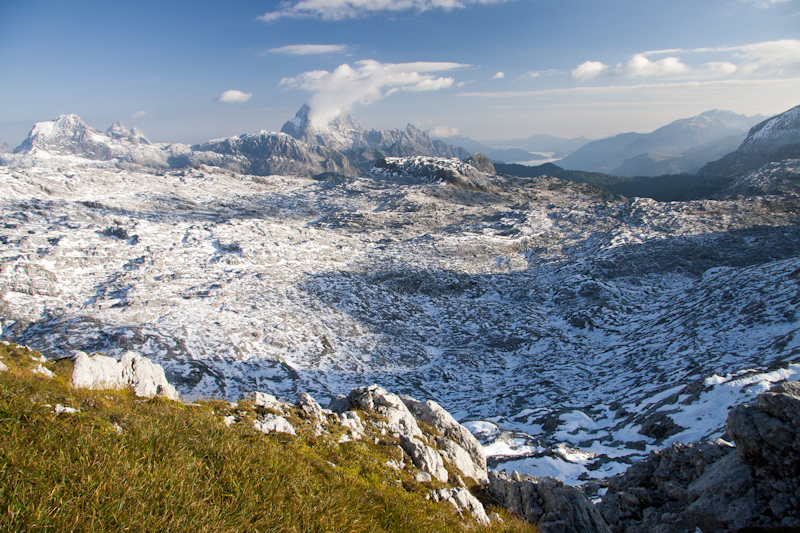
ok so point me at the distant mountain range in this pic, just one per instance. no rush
(683, 146)
(344, 149)
(767, 144)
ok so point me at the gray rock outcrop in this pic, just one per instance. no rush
(423, 170)
(268, 401)
(552, 505)
(133, 371)
(482, 163)
(714, 486)
(424, 457)
(436, 416)
(374, 398)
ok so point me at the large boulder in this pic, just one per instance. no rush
(270, 423)
(133, 371)
(461, 459)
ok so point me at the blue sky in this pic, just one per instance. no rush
(488, 69)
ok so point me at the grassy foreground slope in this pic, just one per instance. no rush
(119, 463)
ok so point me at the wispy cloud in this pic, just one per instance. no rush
(531, 74)
(140, 114)
(499, 76)
(234, 96)
(346, 9)
(308, 49)
(765, 4)
(622, 89)
(769, 58)
(334, 93)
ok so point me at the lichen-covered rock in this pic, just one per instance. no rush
(351, 421)
(313, 411)
(133, 371)
(554, 506)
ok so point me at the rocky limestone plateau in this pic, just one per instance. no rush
(574, 332)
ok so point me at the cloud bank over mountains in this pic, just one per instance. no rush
(334, 93)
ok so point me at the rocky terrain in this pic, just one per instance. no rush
(706, 486)
(572, 330)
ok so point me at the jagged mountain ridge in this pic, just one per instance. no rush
(691, 142)
(345, 134)
(348, 150)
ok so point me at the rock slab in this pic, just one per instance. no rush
(133, 371)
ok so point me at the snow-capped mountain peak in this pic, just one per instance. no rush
(774, 132)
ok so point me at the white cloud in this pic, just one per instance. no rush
(499, 76)
(334, 93)
(140, 114)
(630, 89)
(638, 66)
(444, 131)
(308, 49)
(234, 96)
(588, 70)
(755, 60)
(345, 9)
